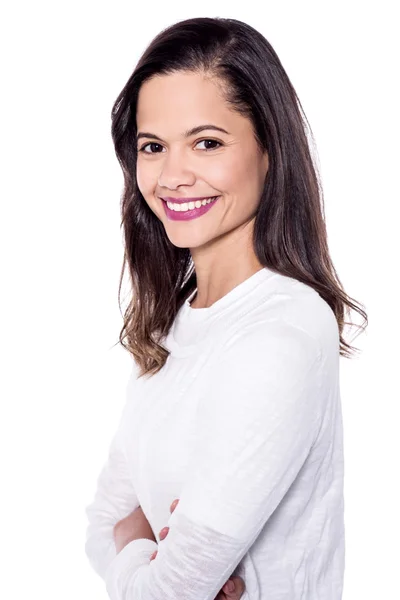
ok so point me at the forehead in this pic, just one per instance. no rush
(183, 99)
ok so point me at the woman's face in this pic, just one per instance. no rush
(170, 164)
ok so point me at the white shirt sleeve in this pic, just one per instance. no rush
(114, 499)
(256, 425)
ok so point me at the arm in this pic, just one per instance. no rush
(114, 499)
(256, 425)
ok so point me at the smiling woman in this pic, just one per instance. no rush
(231, 168)
(235, 328)
(217, 117)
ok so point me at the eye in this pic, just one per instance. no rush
(212, 141)
(142, 149)
(154, 144)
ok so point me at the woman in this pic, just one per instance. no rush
(235, 327)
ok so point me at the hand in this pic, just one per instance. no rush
(224, 593)
(133, 527)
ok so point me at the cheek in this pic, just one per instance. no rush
(140, 179)
(244, 185)
(223, 175)
(145, 177)
(254, 174)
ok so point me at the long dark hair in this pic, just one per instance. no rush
(289, 231)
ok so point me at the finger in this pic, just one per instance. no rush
(152, 557)
(174, 505)
(229, 587)
(164, 532)
(238, 588)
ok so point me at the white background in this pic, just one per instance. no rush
(62, 381)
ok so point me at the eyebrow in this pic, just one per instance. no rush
(188, 133)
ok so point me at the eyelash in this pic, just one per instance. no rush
(142, 149)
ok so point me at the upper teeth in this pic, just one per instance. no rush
(189, 205)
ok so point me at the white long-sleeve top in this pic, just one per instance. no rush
(244, 425)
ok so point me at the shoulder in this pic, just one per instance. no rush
(268, 369)
(291, 318)
(272, 350)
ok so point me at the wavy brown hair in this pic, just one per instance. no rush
(289, 231)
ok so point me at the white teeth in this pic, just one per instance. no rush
(190, 205)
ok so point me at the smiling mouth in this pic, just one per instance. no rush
(190, 205)
(189, 210)
(185, 200)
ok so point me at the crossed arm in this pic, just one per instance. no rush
(239, 473)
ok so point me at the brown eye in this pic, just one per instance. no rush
(212, 141)
(155, 145)
(142, 149)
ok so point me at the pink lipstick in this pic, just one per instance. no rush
(189, 214)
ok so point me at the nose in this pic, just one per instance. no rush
(175, 171)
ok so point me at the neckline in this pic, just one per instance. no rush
(242, 288)
(191, 327)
